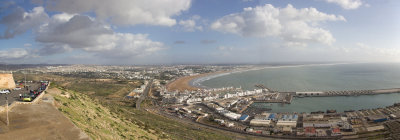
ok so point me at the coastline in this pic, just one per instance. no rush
(193, 82)
(196, 81)
(185, 83)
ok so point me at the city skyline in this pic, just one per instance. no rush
(198, 32)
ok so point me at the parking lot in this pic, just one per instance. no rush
(14, 95)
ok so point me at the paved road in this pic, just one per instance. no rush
(14, 95)
(144, 94)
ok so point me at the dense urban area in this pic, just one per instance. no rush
(228, 109)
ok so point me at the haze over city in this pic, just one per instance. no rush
(198, 31)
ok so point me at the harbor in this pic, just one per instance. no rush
(317, 101)
(272, 96)
(314, 107)
(338, 103)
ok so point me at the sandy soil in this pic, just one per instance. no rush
(38, 121)
(182, 84)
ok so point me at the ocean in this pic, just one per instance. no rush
(359, 76)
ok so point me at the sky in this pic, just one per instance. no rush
(137, 32)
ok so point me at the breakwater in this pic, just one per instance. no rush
(345, 92)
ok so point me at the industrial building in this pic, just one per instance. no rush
(258, 122)
(244, 117)
(272, 116)
(282, 123)
(378, 118)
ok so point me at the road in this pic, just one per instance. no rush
(144, 94)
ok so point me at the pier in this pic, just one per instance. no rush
(346, 92)
(286, 97)
(264, 87)
(276, 97)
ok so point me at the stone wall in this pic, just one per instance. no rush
(7, 81)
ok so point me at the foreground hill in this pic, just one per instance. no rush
(38, 121)
(100, 110)
(96, 120)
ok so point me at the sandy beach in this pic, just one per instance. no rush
(183, 83)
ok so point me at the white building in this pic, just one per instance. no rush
(231, 115)
(282, 123)
(259, 122)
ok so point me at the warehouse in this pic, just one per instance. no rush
(282, 123)
(258, 122)
(271, 117)
(377, 118)
(244, 117)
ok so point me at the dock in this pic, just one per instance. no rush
(263, 87)
(276, 97)
(245, 108)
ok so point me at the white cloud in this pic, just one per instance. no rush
(294, 26)
(19, 21)
(27, 45)
(125, 12)
(348, 4)
(15, 53)
(224, 51)
(63, 17)
(65, 33)
(225, 48)
(78, 32)
(132, 45)
(190, 25)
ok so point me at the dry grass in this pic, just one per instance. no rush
(98, 121)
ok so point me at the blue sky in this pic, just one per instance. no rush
(198, 31)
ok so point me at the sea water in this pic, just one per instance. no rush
(338, 77)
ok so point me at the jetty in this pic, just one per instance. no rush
(264, 87)
(346, 92)
(272, 96)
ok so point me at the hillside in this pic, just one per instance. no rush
(96, 120)
(98, 107)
